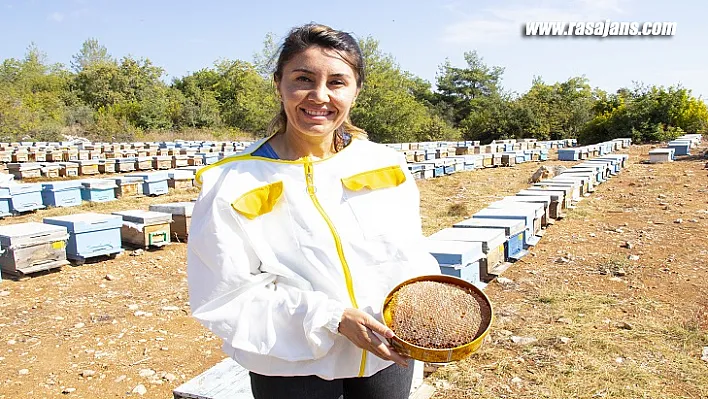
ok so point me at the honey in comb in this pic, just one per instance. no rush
(437, 315)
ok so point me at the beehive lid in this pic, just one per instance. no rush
(123, 180)
(61, 185)
(181, 174)
(144, 217)
(542, 199)
(151, 176)
(557, 194)
(24, 166)
(566, 189)
(527, 215)
(455, 253)
(662, 151)
(30, 233)
(489, 237)
(86, 222)
(538, 209)
(98, 184)
(174, 208)
(509, 226)
(125, 160)
(12, 188)
(561, 183)
(88, 162)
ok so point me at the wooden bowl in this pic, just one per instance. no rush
(434, 355)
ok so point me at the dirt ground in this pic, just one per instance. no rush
(574, 319)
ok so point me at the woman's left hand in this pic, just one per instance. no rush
(359, 327)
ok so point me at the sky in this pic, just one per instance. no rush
(185, 36)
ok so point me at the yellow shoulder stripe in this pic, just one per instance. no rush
(258, 201)
(390, 176)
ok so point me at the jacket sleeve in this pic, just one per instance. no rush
(256, 312)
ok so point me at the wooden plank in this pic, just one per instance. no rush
(226, 380)
(425, 391)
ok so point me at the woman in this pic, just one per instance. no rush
(295, 243)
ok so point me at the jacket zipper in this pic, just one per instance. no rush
(309, 179)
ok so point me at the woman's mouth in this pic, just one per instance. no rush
(316, 115)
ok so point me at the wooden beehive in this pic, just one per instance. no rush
(32, 247)
(128, 186)
(181, 217)
(179, 160)
(88, 167)
(50, 170)
(144, 229)
(23, 171)
(195, 160)
(161, 162)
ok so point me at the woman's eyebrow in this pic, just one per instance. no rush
(305, 70)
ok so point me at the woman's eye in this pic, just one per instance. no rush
(302, 79)
(337, 82)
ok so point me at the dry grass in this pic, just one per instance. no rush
(605, 326)
(631, 348)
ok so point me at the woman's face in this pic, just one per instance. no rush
(317, 88)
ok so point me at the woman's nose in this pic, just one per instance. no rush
(319, 93)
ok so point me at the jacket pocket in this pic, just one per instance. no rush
(259, 201)
(372, 198)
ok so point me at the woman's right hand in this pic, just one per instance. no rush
(359, 327)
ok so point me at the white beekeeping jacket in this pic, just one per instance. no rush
(278, 249)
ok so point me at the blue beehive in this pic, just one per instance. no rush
(5, 204)
(569, 154)
(544, 154)
(430, 154)
(98, 190)
(61, 193)
(210, 158)
(438, 167)
(23, 197)
(154, 183)
(457, 258)
(90, 235)
(681, 147)
(515, 231)
(493, 246)
(526, 215)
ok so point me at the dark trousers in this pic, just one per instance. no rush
(393, 382)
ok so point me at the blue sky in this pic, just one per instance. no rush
(183, 36)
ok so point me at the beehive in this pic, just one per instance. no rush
(515, 231)
(145, 229)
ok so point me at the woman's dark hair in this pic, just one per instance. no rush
(300, 39)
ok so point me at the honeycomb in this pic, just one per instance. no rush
(437, 315)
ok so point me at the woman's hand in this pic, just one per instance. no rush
(359, 327)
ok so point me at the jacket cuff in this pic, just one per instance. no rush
(335, 309)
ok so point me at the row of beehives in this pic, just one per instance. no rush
(593, 150)
(678, 147)
(22, 152)
(16, 198)
(439, 163)
(482, 247)
(50, 160)
(31, 247)
(474, 147)
(90, 167)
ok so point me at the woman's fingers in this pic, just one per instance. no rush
(384, 351)
(359, 327)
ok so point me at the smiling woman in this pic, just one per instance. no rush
(295, 243)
